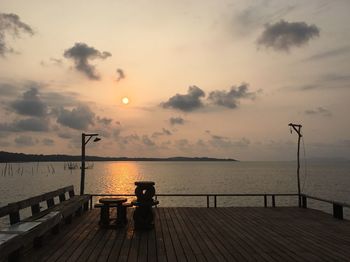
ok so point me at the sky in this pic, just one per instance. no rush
(203, 78)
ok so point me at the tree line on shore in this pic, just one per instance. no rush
(8, 157)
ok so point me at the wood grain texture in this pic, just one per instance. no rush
(205, 234)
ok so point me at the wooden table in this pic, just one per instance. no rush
(107, 203)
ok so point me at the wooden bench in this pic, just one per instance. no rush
(29, 231)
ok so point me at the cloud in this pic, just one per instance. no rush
(65, 135)
(52, 61)
(224, 142)
(183, 145)
(78, 118)
(254, 16)
(25, 141)
(33, 124)
(81, 54)
(30, 104)
(164, 132)
(48, 142)
(318, 111)
(120, 74)
(283, 35)
(8, 90)
(147, 141)
(230, 99)
(104, 120)
(328, 54)
(176, 121)
(189, 102)
(335, 77)
(11, 24)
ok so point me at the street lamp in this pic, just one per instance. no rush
(297, 129)
(84, 141)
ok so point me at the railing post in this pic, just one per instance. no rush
(91, 198)
(207, 201)
(273, 201)
(265, 200)
(304, 201)
(215, 201)
(337, 211)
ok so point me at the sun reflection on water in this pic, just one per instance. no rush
(120, 177)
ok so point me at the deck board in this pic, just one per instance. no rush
(204, 234)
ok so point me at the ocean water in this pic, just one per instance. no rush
(329, 180)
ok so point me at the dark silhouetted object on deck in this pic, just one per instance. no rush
(143, 215)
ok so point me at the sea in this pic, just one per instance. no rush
(323, 179)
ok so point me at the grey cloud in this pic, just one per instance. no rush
(124, 140)
(5, 144)
(35, 93)
(166, 132)
(308, 87)
(283, 35)
(103, 133)
(11, 25)
(65, 135)
(258, 14)
(328, 54)
(182, 144)
(30, 104)
(176, 121)
(33, 124)
(52, 61)
(48, 142)
(319, 111)
(30, 124)
(224, 142)
(25, 141)
(104, 120)
(78, 118)
(162, 133)
(188, 102)
(81, 54)
(336, 77)
(147, 141)
(120, 74)
(58, 99)
(8, 90)
(230, 99)
(116, 133)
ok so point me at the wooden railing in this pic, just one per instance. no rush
(337, 206)
(214, 197)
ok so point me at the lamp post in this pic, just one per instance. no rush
(297, 129)
(84, 141)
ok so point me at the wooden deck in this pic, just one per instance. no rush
(205, 234)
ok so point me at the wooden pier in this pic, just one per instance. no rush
(204, 234)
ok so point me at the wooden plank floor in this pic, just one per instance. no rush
(205, 234)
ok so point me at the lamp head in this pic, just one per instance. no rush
(97, 139)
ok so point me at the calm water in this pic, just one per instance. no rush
(327, 180)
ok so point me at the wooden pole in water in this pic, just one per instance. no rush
(297, 128)
(82, 178)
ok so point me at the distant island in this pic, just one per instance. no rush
(7, 157)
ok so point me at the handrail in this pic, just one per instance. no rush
(337, 206)
(326, 200)
(214, 195)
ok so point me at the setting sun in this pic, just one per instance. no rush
(125, 100)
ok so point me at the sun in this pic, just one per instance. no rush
(125, 100)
